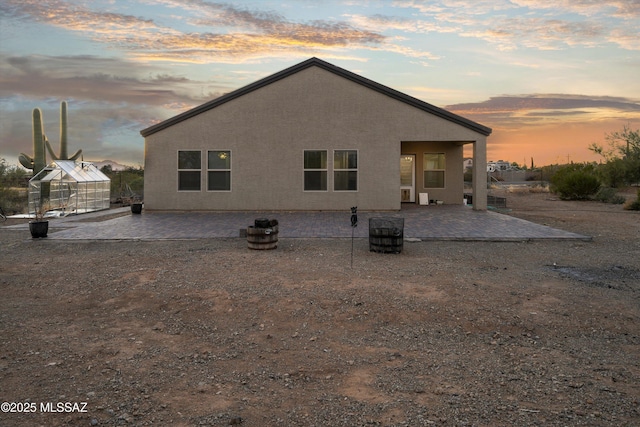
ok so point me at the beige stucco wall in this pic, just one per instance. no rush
(268, 130)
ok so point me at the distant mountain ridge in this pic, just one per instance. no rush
(115, 166)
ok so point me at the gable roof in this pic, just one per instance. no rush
(414, 102)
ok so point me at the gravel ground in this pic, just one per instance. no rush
(210, 333)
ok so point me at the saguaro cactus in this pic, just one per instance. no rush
(40, 141)
(38, 161)
(63, 138)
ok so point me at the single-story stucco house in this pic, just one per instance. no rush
(311, 137)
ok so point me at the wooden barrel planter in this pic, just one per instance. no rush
(386, 235)
(264, 236)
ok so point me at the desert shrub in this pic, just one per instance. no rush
(124, 181)
(609, 195)
(540, 188)
(13, 188)
(13, 200)
(526, 189)
(613, 173)
(517, 189)
(575, 181)
(468, 175)
(633, 205)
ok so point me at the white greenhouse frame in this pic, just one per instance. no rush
(68, 187)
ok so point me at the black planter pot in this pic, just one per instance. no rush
(39, 229)
(136, 208)
(261, 223)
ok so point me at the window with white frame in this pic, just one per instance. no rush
(219, 170)
(345, 170)
(189, 170)
(434, 170)
(315, 170)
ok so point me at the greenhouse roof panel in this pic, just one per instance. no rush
(80, 171)
(54, 174)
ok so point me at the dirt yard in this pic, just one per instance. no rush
(210, 333)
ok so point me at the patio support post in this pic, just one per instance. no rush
(479, 179)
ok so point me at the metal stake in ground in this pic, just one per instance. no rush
(354, 224)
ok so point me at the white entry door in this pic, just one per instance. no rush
(408, 178)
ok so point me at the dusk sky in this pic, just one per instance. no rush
(550, 77)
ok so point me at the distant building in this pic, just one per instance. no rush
(467, 163)
(500, 165)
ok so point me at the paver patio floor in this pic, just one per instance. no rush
(445, 222)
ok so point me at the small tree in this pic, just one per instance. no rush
(575, 181)
(622, 157)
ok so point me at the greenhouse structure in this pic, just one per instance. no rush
(68, 187)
